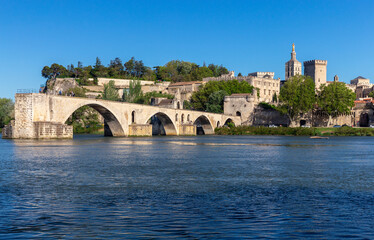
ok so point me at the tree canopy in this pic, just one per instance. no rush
(6, 111)
(210, 96)
(110, 92)
(297, 96)
(134, 94)
(335, 99)
(175, 71)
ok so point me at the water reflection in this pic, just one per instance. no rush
(187, 187)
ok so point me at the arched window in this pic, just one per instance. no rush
(238, 113)
(182, 118)
(133, 117)
(176, 117)
(178, 105)
(218, 124)
(188, 117)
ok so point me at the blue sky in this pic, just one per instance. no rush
(244, 36)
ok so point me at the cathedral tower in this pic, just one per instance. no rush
(293, 67)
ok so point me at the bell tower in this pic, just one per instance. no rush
(293, 67)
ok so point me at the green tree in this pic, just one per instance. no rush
(110, 91)
(371, 94)
(130, 67)
(335, 99)
(134, 93)
(54, 71)
(78, 91)
(215, 101)
(297, 96)
(201, 97)
(199, 73)
(6, 111)
(218, 70)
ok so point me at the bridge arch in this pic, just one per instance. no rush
(203, 125)
(162, 124)
(112, 126)
(228, 121)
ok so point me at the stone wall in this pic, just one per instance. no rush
(140, 130)
(45, 130)
(265, 117)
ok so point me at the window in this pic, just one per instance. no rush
(133, 117)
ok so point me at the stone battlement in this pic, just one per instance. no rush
(313, 62)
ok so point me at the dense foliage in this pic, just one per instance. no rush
(210, 96)
(297, 96)
(6, 111)
(110, 92)
(134, 94)
(175, 71)
(335, 99)
(297, 131)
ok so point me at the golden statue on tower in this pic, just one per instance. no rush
(293, 47)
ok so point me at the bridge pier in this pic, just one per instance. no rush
(187, 130)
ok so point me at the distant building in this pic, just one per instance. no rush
(293, 67)
(267, 87)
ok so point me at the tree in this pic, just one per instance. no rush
(335, 99)
(199, 73)
(215, 101)
(297, 96)
(218, 70)
(54, 71)
(110, 91)
(130, 66)
(371, 94)
(240, 75)
(6, 111)
(201, 97)
(134, 93)
(115, 68)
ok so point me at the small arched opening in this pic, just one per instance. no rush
(178, 105)
(203, 126)
(229, 122)
(176, 117)
(182, 118)
(188, 117)
(239, 114)
(162, 124)
(218, 123)
(133, 117)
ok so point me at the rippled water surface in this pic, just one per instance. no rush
(213, 187)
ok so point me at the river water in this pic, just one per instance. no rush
(205, 187)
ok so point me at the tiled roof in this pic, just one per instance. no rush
(166, 102)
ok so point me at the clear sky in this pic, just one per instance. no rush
(244, 36)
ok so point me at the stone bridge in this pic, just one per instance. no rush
(44, 116)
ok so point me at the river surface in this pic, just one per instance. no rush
(205, 187)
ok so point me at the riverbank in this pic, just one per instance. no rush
(297, 131)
